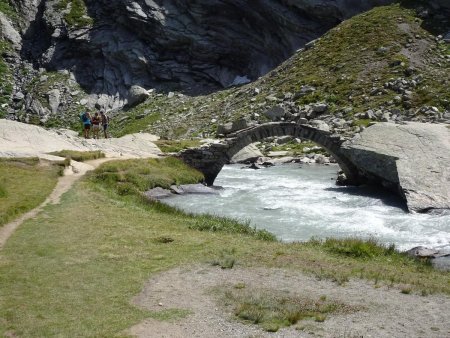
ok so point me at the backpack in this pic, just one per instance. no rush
(83, 117)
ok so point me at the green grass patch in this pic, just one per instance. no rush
(362, 122)
(295, 148)
(79, 156)
(24, 184)
(174, 146)
(77, 15)
(272, 309)
(131, 177)
(170, 315)
(5, 7)
(356, 247)
(222, 224)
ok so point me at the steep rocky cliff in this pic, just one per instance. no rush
(63, 55)
(107, 46)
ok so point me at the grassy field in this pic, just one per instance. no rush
(73, 270)
(24, 184)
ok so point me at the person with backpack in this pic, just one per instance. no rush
(86, 119)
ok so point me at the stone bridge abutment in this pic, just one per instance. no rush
(210, 159)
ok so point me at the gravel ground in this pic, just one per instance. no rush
(383, 312)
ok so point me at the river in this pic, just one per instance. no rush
(296, 202)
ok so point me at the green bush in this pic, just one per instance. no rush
(228, 225)
(358, 248)
(144, 174)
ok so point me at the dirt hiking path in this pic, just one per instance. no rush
(65, 182)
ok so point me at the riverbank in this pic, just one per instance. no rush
(78, 268)
(75, 268)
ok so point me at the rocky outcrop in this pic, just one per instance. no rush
(413, 159)
(8, 32)
(191, 47)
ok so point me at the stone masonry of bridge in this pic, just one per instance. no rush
(211, 158)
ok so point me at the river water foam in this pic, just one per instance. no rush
(299, 202)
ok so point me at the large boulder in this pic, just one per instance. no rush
(275, 113)
(248, 154)
(54, 99)
(137, 95)
(412, 159)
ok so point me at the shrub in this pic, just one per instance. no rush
(273, 309)
(358, 248)
(144, 174)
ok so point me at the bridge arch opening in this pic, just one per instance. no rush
(211, 159)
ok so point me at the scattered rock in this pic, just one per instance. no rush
(321, 125)
(157, 193)
(275, 113)
(193, 189)
(136, 95)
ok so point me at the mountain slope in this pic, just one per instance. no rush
(382, 64)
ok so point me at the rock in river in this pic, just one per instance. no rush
(413, 159)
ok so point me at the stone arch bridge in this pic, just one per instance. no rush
(210, 159)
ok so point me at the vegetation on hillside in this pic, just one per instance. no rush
(72, 93)
(348, 69)
(76, 16)
(24, 184)
(5, 7)
(174, 146)
(6, 85)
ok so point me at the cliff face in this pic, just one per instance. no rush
(192, 47)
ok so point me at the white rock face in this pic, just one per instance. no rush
(8, 32)
(24, 140)
(413, 158)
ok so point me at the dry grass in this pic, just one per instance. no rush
(273, 309)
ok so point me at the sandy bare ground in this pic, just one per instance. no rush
(383, 312)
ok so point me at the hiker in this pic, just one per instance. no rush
(96, 125)
(86, 119)
(105, 122)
